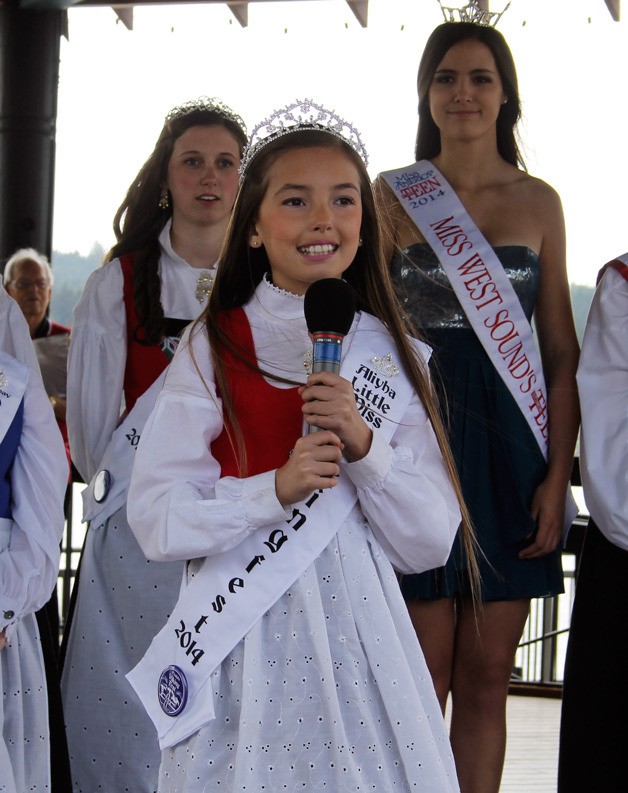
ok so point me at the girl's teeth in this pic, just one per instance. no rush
(318, 249)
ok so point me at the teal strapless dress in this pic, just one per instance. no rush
(498, 459)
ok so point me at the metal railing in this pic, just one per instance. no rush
(541, 653)
(71, 546)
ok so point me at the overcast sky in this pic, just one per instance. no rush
(117, 85)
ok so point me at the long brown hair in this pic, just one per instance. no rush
(441, 40)
(139, 220)
(242, 268)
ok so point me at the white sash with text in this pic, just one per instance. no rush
(118, 459)
(481, 285)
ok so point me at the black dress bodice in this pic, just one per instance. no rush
(429, 298)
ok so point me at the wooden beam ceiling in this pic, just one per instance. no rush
(239, 8)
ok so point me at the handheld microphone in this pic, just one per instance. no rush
(329, 308)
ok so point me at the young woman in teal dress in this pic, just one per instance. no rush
(468, 110)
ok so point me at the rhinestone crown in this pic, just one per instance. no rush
(210, 104)
(472, 13)
(301, 115)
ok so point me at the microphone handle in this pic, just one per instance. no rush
(325, 366)
(326, 354)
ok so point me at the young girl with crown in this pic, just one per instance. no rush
(290, 662)
(155, 281)
(477, 247)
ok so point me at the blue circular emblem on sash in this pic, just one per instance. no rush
(172, 690)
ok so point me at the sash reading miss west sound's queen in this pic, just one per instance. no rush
(233, 590)
(483, 289)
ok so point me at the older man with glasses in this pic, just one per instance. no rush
(28, 279)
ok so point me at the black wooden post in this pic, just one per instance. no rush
(29, 77)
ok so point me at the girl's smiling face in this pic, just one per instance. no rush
(309, 219)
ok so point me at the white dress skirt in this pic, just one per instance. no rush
(25, 748)
(328, 692)
(123, 599)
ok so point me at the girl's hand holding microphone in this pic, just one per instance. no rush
(329, 408)
(329, 404)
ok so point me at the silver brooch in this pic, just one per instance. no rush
(4, 382)
(385, 365)
(204, 286)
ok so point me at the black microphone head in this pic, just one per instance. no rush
(329, 306)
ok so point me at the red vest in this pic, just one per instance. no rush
(270, 418)
(144, 362)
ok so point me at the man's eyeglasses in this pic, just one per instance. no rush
(25, 283)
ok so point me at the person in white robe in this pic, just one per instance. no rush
(593, 732)
(155, 281)
(35, 472)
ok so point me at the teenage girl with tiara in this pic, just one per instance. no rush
(322, 684)
(155, 280)
(507, 239)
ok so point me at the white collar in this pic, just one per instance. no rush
(172, 255)
(277, 305)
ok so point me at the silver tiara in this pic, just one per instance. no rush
(299, 116)
(472, 13)
(209, 104)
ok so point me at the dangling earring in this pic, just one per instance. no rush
(164, 202)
